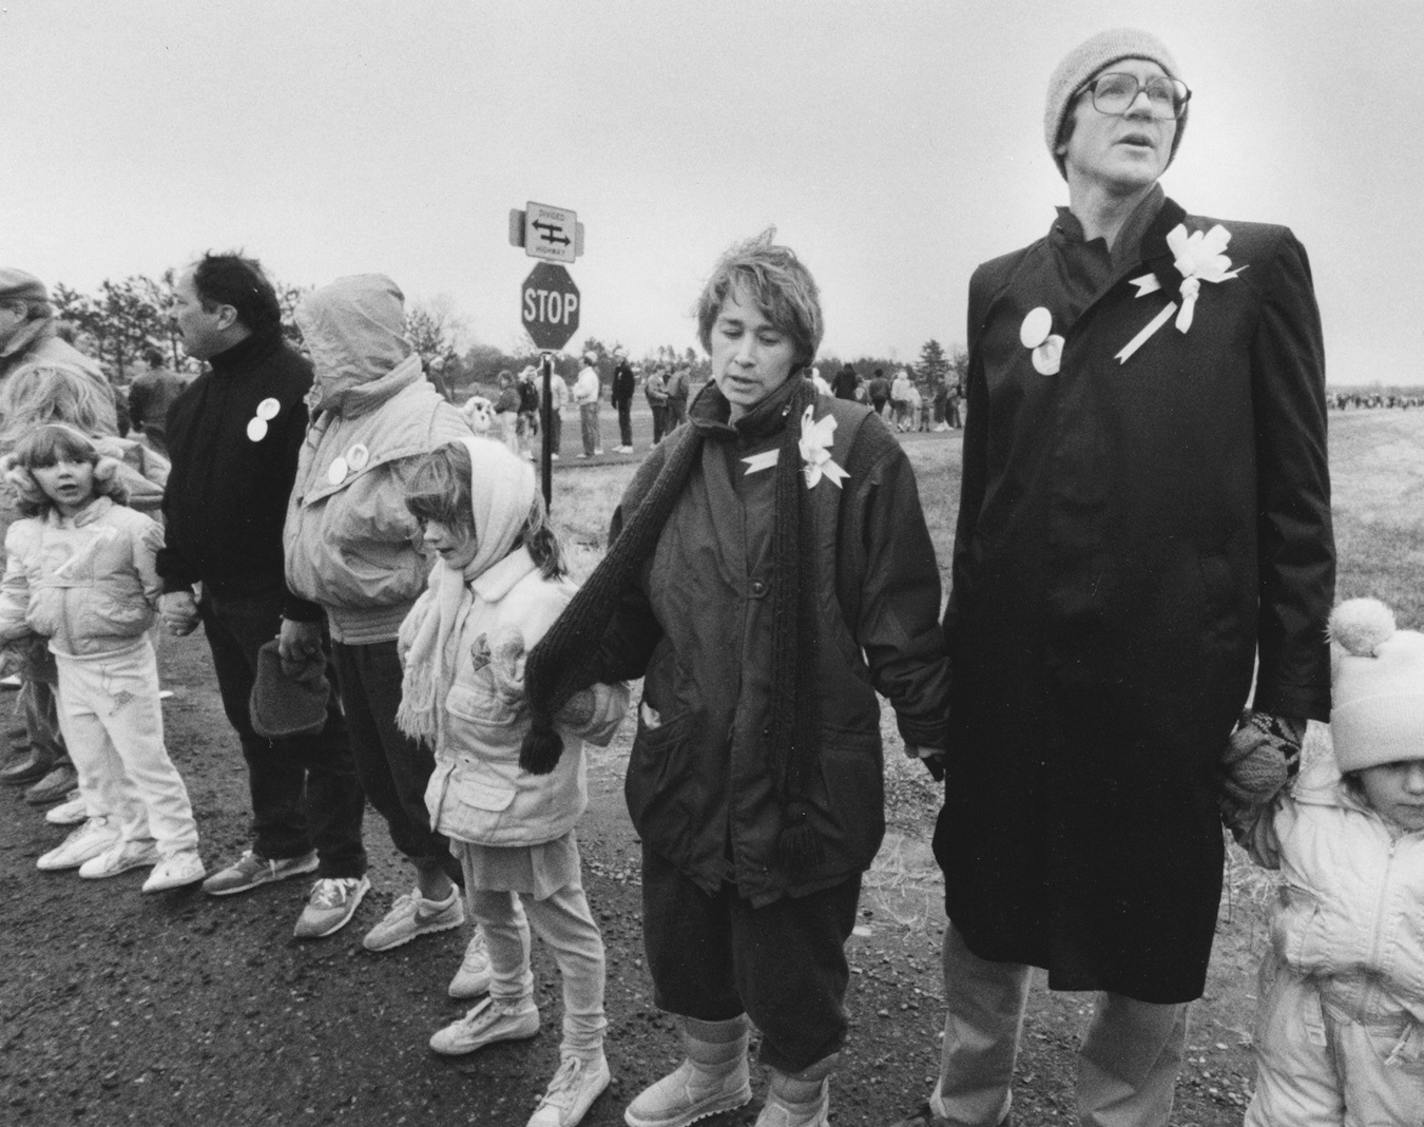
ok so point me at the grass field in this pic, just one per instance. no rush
(1376, 465)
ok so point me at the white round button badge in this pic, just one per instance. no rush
(358, 457)
(1048, 356)
(336, 473)
(1037, 324)
(268, 409)
(256, 430)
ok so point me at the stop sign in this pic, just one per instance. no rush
(549, 305)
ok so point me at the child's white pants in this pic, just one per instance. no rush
(112, 722)
(565, 924)
(1315, 1066)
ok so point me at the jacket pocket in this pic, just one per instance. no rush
(661, 786)
(850, 803)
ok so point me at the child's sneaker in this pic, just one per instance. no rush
(571, 1092)
(473, 977)
(120, 858)
(252, 870)
(91, 839)
(332, 903)
(70, 812)
(183, 868)
(413, 915)
(488, 1022)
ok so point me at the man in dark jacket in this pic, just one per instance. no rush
(624, 385)
(234, 435)
(844, 382)
(1144, 520)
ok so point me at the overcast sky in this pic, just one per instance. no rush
(894, 145)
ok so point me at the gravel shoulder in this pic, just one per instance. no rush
(180, 1009)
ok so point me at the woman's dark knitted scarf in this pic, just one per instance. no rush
(564, 661)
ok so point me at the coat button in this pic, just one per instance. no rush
(758, 589)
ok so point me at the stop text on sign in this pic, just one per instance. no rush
(551, 307)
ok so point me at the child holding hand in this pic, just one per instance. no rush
(1340, 1019)
(80, 571)
(499, 585)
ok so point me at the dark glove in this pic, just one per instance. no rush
(1260, 758)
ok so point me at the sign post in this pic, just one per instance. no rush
(548, 300)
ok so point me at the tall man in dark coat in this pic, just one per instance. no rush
(234, 436)
(1144, 516)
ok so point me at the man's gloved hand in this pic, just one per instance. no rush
(1258, 762)
(1260, 758)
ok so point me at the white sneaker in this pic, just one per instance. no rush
(412, 915)
(571, 1092)
(473, 977)
(183, 868)
(70, 812)
(120, 858)
(89, 840)
(514, 1020)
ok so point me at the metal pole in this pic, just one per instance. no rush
(546, 425)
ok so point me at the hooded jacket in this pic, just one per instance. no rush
(477, 791)
(1351, 899)
(350, 543)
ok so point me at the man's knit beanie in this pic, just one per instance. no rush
(1377, 710)
(1086, 60)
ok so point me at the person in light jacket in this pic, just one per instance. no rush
(353, 548)
(1339, 1033)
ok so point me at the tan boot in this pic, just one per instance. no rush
(799, 1099)
(714, 1077)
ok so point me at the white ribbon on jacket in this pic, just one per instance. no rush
(1199, 257)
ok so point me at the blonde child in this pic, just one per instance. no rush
(80, 571)
(498, 587)
(1340, 1018)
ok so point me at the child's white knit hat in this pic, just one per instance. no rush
(1377, 712)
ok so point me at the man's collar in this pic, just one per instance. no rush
(1129, 246)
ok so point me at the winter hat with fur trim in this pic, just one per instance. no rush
(1377, 711)
(1086, 60)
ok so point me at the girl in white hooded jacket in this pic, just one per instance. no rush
(1340, 1022)
(498, 587)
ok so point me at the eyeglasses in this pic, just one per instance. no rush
(1116, 92)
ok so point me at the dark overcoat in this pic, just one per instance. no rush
(1133, 536)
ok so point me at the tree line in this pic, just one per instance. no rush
(129, 316)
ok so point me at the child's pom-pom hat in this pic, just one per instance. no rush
(1377, 711)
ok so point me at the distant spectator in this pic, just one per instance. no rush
(655, 388)
(677, 390)
(845, 383)
(506, 410)
(879, 392)
(624, 384)
(150, 395)
(586, 392)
